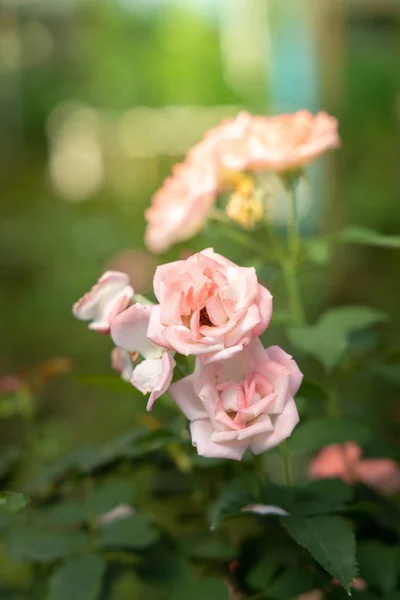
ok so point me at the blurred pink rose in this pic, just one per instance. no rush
(243, 402)
(208, 307)
(111, 295)
(129, 332)
(291, 141)
(345, 463)
(357, 584)
(311, 595)
(10, 384)
(180, 208)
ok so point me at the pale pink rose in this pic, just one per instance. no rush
(357, 584)
(311, 595)
(181, 206)
(244, 402)
(208, 306)
(231, 144)
(275, 143)
(129, 332)
(291, 141)
(110, 296)
(344, 462)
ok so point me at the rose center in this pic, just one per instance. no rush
(204, 318)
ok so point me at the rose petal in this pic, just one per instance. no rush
(167, 370)
(182, 392)
(129, 331)
(201, 432)
(110, 295)
(281, 357)
(283, 427)
(264, 304)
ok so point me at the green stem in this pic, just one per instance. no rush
(333, 409)
(90, 514)
(284, 452)
(293, 291)
(290, 265)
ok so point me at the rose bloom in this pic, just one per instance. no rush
(106, 305)
(208, 306)
(270, 143)
(243, 402)
(181, 206)
(129, 332)
(110, 296)
(344, 462)
(290, 142)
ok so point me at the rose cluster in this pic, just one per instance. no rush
(240, 394)
(229, 158)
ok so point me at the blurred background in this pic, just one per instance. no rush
(99, 98)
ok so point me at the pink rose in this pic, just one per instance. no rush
(110, 296)
(208, 306)
(243, 402)
(292, 141)
(344, 462)
(154, 374)
(180, 208)
(231, 144)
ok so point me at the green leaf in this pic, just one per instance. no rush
(37, 544)
(313, 434)
(322, 497)
(9, 457)
(206, 546)
(128, 586)
(262, 572)
(379, 564)
(134, 532)
(79, 578)
(230, 502)
(330, 541)
(368, 237)
(12, 503)
(390, 372)
(328, 339)
(63, 514)
(206, 587)
(110, 494)
(291, 584)
(318, 250)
